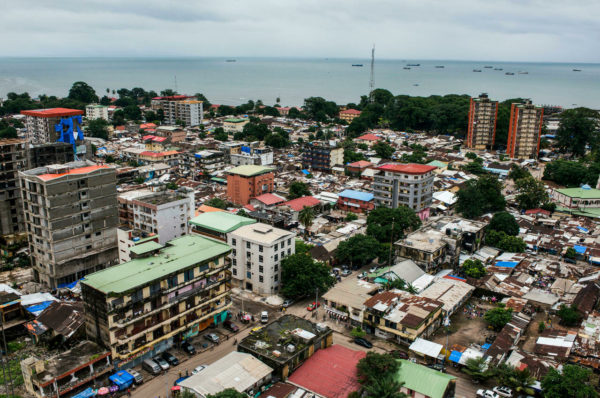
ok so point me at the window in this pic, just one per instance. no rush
(289, 241)
(234, 252)
(276, 267)
(289, 251)
(260, 259)
(188, 275)
(233, 242)
(173, 281)
(248, 274)
(282, 254)
(276, 258)
(247, 245)
(260, 278)
(260, 248)
(234, 271)
(276, 278)
(261, 269)
(234, 261)
(154, 288)
(248, 255)
(276, 246)
(248, 265)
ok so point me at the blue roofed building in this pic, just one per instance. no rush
(356, 201)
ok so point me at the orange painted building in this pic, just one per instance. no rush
(524, 131)
(247, 182)
(483, 114)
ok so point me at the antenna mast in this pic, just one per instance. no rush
(372, 81)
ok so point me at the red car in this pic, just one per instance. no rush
(313, 306)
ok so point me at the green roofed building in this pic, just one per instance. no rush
(425, 382)
(163, 295)
(217, 224)
(577, 198)
(250, 170)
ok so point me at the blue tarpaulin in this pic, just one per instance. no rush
(580, 249)
(122, 379)
(455, 356)
(486, 346)
(68, 285)
(306, 172)
(246, 149)
(583, 229)
(506, 264)
(37, 308)
(88, 392)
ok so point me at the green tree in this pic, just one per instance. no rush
(358, 332)
(351, 216)
(504, 221)
(475, 167)
(519, 380)
(82, 92)
(277, 139)
(571, 173)
(473, 268)
(217, 202)
(359, 250)
(570, 253)
(97, 128)
(573, 381)
(388, 225)
(383, 150)
(386, 387)
(220, 134)
(227, 393)
(8, 132)
(505, 242)
(132, 112)
(118, 118)
(480, 196)
(498, 317)
(568, 315)
(375, 366)
(517, 172)
(172, 186)
(298, 189)
(478, 369)
(306, 217)
(301, 275)
(531, 193)
(578, 128)
(139, 180)
(319, 109)
(302, 247)
(205, 102)
(294, 113)
(471, 155)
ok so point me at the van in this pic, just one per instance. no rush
(264, 317)
(136, 376)
(151, 367)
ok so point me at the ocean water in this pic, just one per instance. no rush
(292, 80)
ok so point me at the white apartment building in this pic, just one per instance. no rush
(252, 156)
(96, 111)
(189, 112)
(256, 256)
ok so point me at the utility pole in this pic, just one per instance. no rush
(372, 81)
(391, 243)
(12, 388)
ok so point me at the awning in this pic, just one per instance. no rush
(580, 249)
(426, 347)
(486, 346)
(88, 392)
(455, 356)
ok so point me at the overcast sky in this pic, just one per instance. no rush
(506, 30)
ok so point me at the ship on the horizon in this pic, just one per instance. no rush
(488, 67)
(498, 69)
(230, 60)
(439, 66)
(509, 73)
(476, 70)
(359, 65)
(576, 70)
(413, 64)
(406, 67)
(523, 73)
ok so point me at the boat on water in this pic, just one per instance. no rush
(509, 73)
(359, 65)
(576, 70)
(406, 67)
(476, 70)
(498, 69)
(523, 73)
(230, 60)
(413, 64)
(488, 67)
(416, 84)
(440, 66)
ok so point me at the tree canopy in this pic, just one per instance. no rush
(578, 129)
(97, 128)
(383, 150)
(498, 317)
(217, 202)
(573, 381)
(502, 241)
(473, 268)
(220, 134)
(359, 250)
(531, 193)
(480, 196)
(227, 393)
(298, 189)
(381, 220)
(568, 315)
(572, 173)
(319, 109)
(505, 222)
(375, 366)
(83, 92)
(301, 275)
(478, 369)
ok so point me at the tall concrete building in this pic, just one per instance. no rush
(524, 130)
(71, 220)
(322, 156)
(408, 185)
(247, 182)
(162, 296)
(481, 131)
(12, 159)
(258, 250)
(53, 124)
(184, 108)
(51, 153)
(96, 111)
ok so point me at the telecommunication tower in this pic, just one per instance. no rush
(372, 81)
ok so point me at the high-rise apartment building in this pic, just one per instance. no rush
(162, 296)
(53, 124)
(258, 250)
(96, 111)
(12, 159)
(322, 156)
(51, 153)
(524, 130)
(71, 220)
(408, 185)
(182, 108)
(246, 182)
(481, 131)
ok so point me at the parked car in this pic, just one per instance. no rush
(346, 272)
(503, 391)
(372, 269)
(231, 326)
(151, 367)
(313, 306)
(336, 271)
(363, 342)
(137, 377)
(399, 354)
(212, 337)
(188, 348)
(164, 365)
(264, 317)
(198, 369)
(362, 275)
(287, 303)
(437, 366)
(170, 358)
(487, 394)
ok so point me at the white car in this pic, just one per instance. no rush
(503, 391)
(198, 369)
(487, 394)
(372, 270)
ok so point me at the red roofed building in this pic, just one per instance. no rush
(147, 126)
(330, 372)
(349, 114)
(357, 168)
(300, 203)
(368, 139)
(41, 123)
(267, 201)
(404, 184)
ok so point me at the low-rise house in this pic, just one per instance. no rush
(420, 381)
(286, 343)
(453, 293)
(59, 322)
(345, 300)
(349, 114)
(556, 344)
(236, 370)
(355, 169)
(508, 338)
(402, 316)
(430, 249)
(217, 224)
(471, 233)
(356, 201)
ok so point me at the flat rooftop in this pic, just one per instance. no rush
(250, 170)
(262, 233)
(220, 221)
(52, 112)
(177, 255)
(428, 240)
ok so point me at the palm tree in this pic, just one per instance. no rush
(519, 380)
(410, 288)
(386, 387)
(306, 218)
(478, 369)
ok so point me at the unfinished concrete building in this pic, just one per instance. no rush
(71, 220)
(12, 159)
